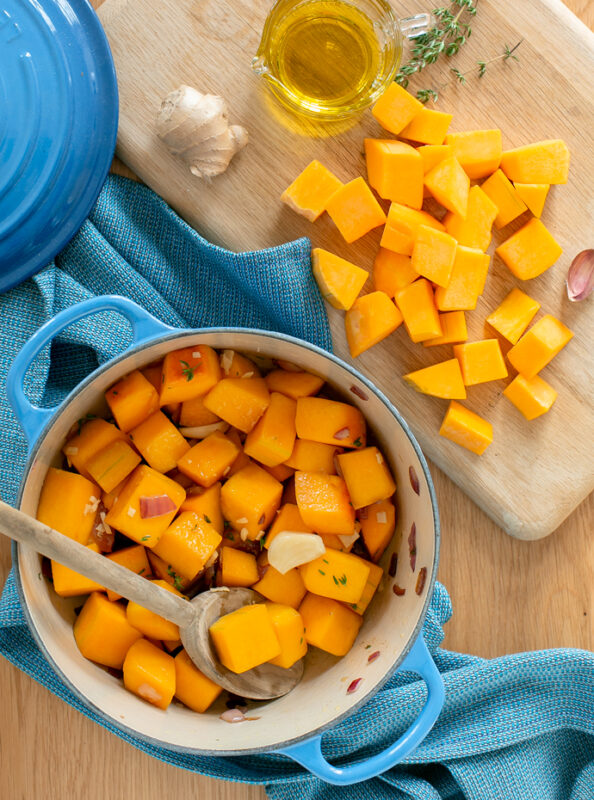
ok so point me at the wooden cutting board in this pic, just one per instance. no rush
(534, 473)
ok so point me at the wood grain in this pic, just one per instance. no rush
(508, 596)
(549, 94)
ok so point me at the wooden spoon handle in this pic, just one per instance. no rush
(50, 543)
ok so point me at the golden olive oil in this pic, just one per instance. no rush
(325, 55)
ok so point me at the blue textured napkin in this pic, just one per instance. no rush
(514, 728)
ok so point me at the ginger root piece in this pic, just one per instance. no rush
(194, 126)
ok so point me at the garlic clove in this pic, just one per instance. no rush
(290, 549)
(580, 278)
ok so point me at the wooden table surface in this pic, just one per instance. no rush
(508, 596)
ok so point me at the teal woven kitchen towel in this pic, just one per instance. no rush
(516, 728)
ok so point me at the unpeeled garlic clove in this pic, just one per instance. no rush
(291, 549)
(580, 278)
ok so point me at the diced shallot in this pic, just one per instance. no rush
(156, 506)
(343, 433)
(381, 517)
(354, 685)
(232, 715)
(371, 658)
(202, 431)
(349, 540)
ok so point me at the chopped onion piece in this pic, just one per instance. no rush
(242, 521)
(379, 458)
(359, 392)
(398, 590)
(412, 546)
(226, 360)
(202, 431)
(381, 517)
(156, 506)
(291, 549)
(393, 565)
(371, 658)
(196, 354)
(414, 481)
(131, 511)
(422, 577)
(71, 451)
(354, 685)
(248, 375)
(347, 541)
(343, 433)
(232, 715)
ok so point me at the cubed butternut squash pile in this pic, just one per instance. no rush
(212, 471)
(432, 265)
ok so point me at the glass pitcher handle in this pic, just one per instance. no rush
(415, 26)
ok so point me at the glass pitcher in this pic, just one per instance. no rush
(329, 59)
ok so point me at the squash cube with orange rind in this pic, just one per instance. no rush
(159, 442)
(396, 108)
(433, 255)
(207, 504)
(453, 325)
(473, 230)
(188, 373)
(288, 627)
(112, 465)
(102, 631)
(330, 422)
(354, 210)
(329, 625)
(287, 588)
(249, 500)
(395, 171)
(539, 162)
(192, 687)
(533, 397)
(93, 437)
(402, 227)
(324, 503)
(188, 544)
(449, 185)
(245, 638)
(480, 361)
(502, 192)
(371, 318)
(131, 400)
(239, 401)
(378, 522)
(338, 280)
(530, 251)
(149, 672)
(464, 427)
(367, 476)
(539, 345)
(467, 281)
(392, 272)
(417, 306)
(339, 576)
(68, 504)
(311, 190)
(432, 154)
(439, 380)
(312, 457)
(209, 459)
(479, 152)
(534, 195)
(428, 127)
(513, 315)
(237, 568)
(271, 441)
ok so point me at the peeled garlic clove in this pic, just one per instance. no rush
(580, 278)
(290, 549)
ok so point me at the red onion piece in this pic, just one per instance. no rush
(580, 278)
(422, 577)
(393, 565)
(156, 506)
(354, 685)
(414, 481)
(412, 546)
(343, 433)
(355, 390)
(232, 715)
(373, 657)
(398, 590)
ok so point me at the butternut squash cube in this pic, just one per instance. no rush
(534, 195)
(149, 672)
(354, 210)
(428, 127)
(237, 568)
(509, 203)
(293, 384)
(338, 280)
(373, 580)
(288, 588)
(539, 345)
(339, 576)
(312, 457)
(513, 315)
(68, 504)
(153, 375)
(242, 459)
(473, 230)
(68, 583)
(392, 272)
(371, 318)
(150, 624)
(164, 572)
(464, 427)
(159, 442)
(207, 504)
(125, 515)
(193, 414)
(479, 152)
(249, 500)
(417, 306)
(311, 190)
(271, 441)
(396, 108)
(367, 476)
(188, 373)
(236, 365)
(133, 558)
(290, 633)
(192, 687)
(540, 162)
(395, 170)
(533, 397)
(239, 401)
(188, 543)
(281, 472)
(449, 185)
(439, 380)
(102, 631)
(110, 466)
(93, 437)
(530, 251)
(131, 400)
(378, 522)
(335, 542)
(287, 518)
(330, 422)
(433, 255)
(467, 281)
(209, 460)
(109, 498)
(480, 361)
(432, 154)
(329, 625)
(453, 325)
(245, 638)
(402, 227)
(324, 503)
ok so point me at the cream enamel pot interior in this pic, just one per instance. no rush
(293, 724)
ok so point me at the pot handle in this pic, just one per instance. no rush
(33, 419)
(309, 753)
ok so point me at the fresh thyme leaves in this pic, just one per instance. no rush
(505, 56)
(187, 370)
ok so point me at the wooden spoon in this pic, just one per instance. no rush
(193, 618)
